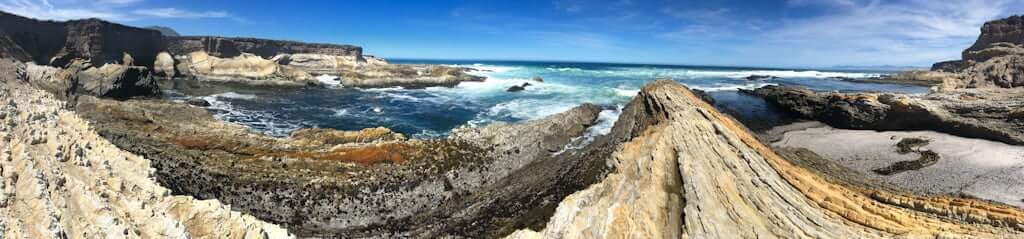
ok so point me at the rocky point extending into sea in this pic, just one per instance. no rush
(89, 151)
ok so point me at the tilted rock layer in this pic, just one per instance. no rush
(62, 180)
(695, 173)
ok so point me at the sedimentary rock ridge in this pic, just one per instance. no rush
(1008, 30)
(59, 179)
(692, 172)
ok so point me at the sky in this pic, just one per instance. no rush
(766, 33)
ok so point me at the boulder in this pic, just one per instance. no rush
(164, 65)
(538, 79)
(116, 81)
(198, 102)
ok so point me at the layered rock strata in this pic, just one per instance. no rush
(691, 172)
(974, 113)
(62, 180)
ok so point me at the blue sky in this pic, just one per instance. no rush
(775, 33)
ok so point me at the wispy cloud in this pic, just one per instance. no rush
(114, 10)
(178, 13)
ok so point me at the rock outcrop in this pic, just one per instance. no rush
(59, 179)
(245, 68)
(995, 60)
(952, 66)
(973, 113)
(1004, 32)
(109, 80)
(691, 172)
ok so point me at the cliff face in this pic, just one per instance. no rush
(232, 47)
(1008, 30)
(690, 172)
(59, 43)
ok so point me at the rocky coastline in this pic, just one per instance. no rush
(99, 154)
(76, 46)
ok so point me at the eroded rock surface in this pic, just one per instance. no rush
(691, 172)
(975, 113)
(62, 180)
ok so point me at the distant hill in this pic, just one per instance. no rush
(166, 31)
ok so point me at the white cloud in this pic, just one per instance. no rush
(113, 10)
(42, 9)
(178, 13)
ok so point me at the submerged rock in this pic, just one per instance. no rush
(518, 88)
(760, 77)
(198, 102)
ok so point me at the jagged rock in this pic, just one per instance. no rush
(1004, 71)
(691, 172)
(971, 113)
(74, 184)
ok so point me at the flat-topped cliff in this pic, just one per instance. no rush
(231, 47)
(98, 41)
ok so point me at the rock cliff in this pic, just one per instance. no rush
(995, 60)
(232, 47)
(1007, 31)
(94, 40)
(59, 179)
(691, 172)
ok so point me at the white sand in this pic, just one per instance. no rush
(980, 168)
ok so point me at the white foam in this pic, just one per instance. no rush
(329, 80)
(732, 87)
(778, 73)
(605, 121)
(626, 92)
(233, 95)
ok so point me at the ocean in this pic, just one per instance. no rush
(433, 112)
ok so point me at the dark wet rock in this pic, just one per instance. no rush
(538, 79)
(518, 88)
(198, 102)
(760, 77)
